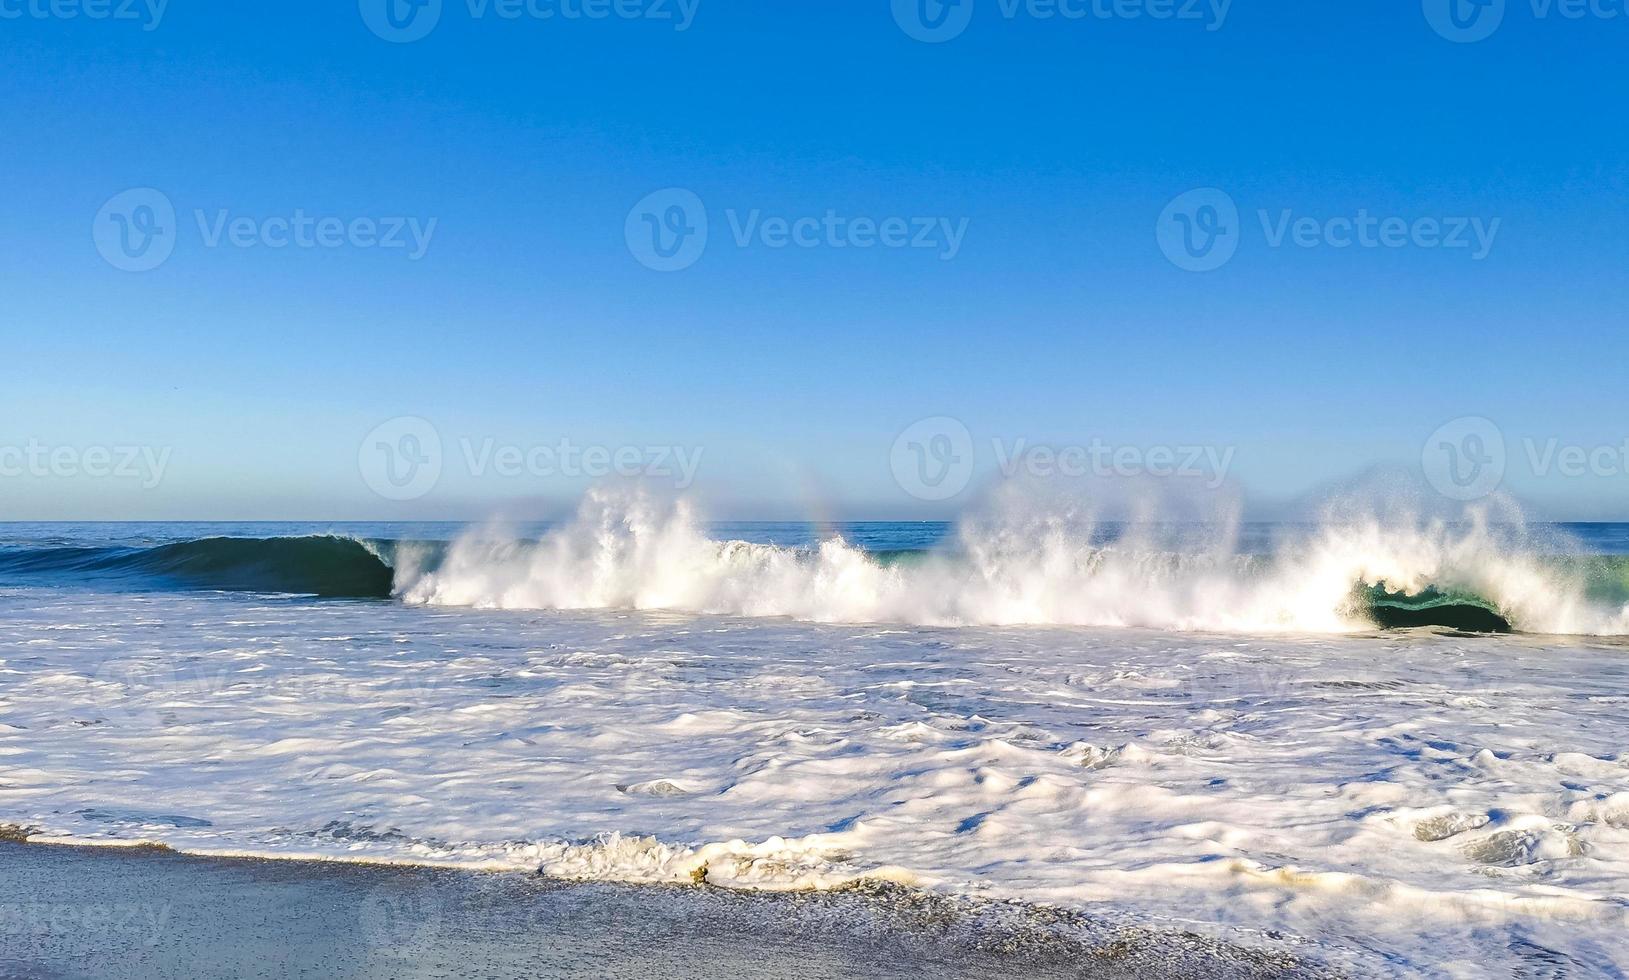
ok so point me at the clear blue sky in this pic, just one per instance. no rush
(1059, 320)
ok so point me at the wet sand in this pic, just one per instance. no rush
(69, 912)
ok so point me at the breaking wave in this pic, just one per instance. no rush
(1017, 566)
(1012, 565)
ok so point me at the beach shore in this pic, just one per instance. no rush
(70, 912)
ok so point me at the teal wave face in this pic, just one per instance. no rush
(1606, 577)
(329, 567)
(1459, 611)
(1602, 578)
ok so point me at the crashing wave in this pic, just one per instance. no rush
(1013, 565)
(1022, 568)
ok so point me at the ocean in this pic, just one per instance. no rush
(1396, 743)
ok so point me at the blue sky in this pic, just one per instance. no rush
(1053, 144)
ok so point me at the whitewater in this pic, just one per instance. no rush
(1019, 565)
(1200, 728)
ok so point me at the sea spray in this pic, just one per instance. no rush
(1015, 564)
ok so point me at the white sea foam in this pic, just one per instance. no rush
(1017, 564)
(1239, 766)
(1455, 801)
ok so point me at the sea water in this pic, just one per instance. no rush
(1200, 727)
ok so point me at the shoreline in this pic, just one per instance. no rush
(73, 910)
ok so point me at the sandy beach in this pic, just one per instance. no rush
(70, 912)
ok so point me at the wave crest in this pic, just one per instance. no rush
(1017, 566)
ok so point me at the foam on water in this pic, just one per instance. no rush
(1016, 565)
(627, 698)
(1443, 797)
